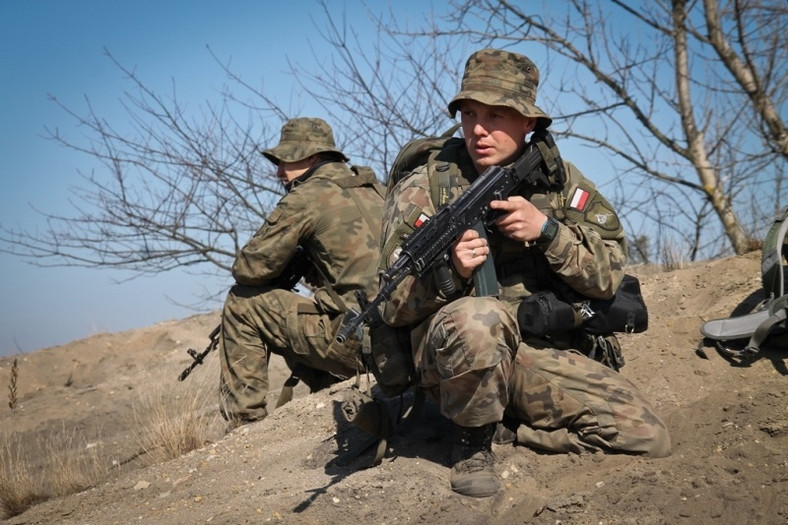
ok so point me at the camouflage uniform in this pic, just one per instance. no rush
(469, 353)
(334, 214)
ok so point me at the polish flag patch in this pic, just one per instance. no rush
(420, 221)
(579, 200)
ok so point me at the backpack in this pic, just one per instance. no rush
(386, 351)
(417, 152)
(769, 317)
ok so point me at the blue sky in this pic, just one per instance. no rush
(57, 47)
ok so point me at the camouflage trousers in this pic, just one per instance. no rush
(259, 320)
(470, 359)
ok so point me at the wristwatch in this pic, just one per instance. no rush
(549, 232)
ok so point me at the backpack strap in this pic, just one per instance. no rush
(778, 312)
(758, 326)
(739, 327)
(774, 248)
(363, 178)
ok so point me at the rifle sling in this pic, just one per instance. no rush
(485, 280)
(308, 308)
(286, 395)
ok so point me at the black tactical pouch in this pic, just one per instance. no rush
(625, 312)
(543, 313)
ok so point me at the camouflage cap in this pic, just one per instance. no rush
(501, 78)
(302, 138)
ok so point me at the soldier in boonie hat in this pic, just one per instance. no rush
(501, 78)
(301, 138)
(495, 381)
(325, 231)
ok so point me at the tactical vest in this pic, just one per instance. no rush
(574, 199)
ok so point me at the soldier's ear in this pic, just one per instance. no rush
(530, 124)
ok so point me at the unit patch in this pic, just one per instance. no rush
(598, 213)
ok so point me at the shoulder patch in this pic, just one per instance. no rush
(598, 212)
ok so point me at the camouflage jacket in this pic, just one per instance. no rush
(335, 214)
(587, 256)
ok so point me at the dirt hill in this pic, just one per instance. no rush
(729, 426)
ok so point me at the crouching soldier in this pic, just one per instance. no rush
(468, 349)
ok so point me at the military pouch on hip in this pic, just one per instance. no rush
(624, 312)
(370, 415)
(543, 313)
(386, 352)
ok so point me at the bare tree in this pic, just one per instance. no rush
(184, 189)
(173, 191)
(716, 119)
(381, 93)
(683, 95)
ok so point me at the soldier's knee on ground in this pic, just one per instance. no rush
(574, 404)
(659, 445)
(643, 434)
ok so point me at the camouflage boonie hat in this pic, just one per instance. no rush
(302, 138)
(501, 78)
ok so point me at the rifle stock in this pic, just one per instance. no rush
(429, 244)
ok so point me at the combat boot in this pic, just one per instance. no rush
(473, 464)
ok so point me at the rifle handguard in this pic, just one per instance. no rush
(444, 279)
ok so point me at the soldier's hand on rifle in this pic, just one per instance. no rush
(521, 221)
(469, 252)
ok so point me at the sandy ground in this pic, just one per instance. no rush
(305, 464)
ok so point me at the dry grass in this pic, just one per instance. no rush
(673, 257)
(19, 487)
(71, 466)
(75, 464)
(169, 425)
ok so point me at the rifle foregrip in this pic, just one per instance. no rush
(444, 280)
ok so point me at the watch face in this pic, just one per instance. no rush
(549, 232)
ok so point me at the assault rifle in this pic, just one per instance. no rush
(287, 280)
(539, 166)
(198, 358)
